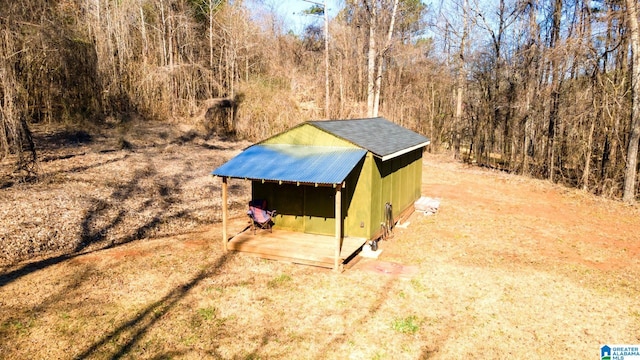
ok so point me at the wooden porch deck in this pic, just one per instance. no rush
(295, 247)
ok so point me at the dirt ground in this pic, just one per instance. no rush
(509, 267)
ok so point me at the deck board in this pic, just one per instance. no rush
(302, 248)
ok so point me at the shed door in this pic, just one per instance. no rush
(319, 209)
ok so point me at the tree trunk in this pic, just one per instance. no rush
(387, 45)
(634, 138)
(15, 136)
(587, 158)
(326, 61)
(555, 93)
(530, 85)
(143, 33)
(211, 47)
(460, 82)
(165, 51)
(371, 58)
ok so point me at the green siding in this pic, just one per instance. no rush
(319, 210)
(404, 184)
(306, 134)
(356, 202)
(379, 191)
(417, 176)
(303, 208)
(286, 199)
(399, 182)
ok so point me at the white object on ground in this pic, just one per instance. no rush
(427, 205)
(368, 253)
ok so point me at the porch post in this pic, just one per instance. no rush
(336, 264)
(224, 214)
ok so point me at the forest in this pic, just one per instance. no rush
(543, 88)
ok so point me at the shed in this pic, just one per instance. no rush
(320, 171)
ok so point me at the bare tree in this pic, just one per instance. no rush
(634, 138)
(15, 136)
(556, 84)
(375, 55)
(462, 78)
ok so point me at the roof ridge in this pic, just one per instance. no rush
(356, 119)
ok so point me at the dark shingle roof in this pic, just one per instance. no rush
(378, 135)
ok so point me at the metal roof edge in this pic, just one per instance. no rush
(280, 182)
(404, 151)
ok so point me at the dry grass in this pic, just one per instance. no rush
(509, 267)
(113, 186)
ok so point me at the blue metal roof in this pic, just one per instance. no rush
(293, 163)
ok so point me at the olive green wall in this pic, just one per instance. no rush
(307, 134)
(303, 208)
(286, 199)
(371, 184)
(397, 181)
(357, 200)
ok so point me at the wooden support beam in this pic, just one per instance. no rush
(337, 265)
(225, 214)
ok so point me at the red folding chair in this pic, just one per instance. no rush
(260, 216)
